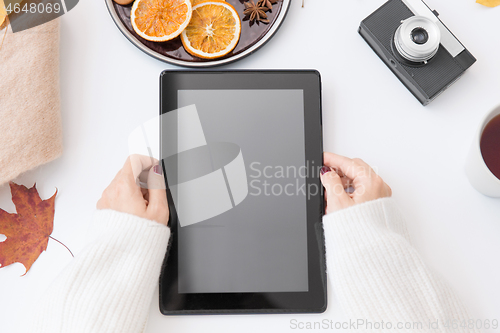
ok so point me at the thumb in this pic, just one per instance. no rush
(158, 203)
(336, 197)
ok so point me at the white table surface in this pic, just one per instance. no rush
(108, 87)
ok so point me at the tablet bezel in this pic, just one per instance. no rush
(315, 299)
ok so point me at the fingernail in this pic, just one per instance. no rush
(157, 169)
(325, 170)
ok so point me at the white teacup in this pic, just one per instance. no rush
(480, 176)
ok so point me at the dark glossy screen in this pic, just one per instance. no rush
(259, 242)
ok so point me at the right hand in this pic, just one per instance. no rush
(341, 172)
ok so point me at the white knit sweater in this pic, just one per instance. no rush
(376, 273)
(378, 276)
(109, 286)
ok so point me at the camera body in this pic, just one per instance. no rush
(420, 50)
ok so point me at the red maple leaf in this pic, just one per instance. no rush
(29, 230)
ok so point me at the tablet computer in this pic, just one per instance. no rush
(242, 151)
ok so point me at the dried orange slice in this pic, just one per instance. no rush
(214, 30)
(160, 20)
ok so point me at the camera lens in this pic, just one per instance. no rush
(417, 39)
(419, 36)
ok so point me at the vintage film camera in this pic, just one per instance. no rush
(413, 42)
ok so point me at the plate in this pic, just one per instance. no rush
(253, 36)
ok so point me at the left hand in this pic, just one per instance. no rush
(124, 195)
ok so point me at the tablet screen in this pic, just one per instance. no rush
(255, 241)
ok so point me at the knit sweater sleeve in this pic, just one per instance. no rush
(378, 276)
(109, 286)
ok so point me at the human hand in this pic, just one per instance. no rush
(124, 195)
(340, 173)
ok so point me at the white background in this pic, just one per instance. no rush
(108, 87)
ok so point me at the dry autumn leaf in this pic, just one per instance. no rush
(29, 230)
(489, 3)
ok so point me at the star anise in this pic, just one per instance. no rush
(254, 12)
(268, 4)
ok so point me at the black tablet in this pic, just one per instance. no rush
(242, 151)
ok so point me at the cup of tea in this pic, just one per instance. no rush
(483, 162)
